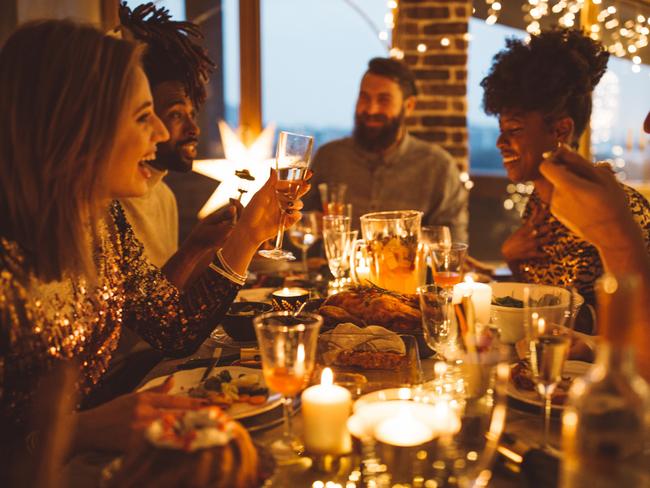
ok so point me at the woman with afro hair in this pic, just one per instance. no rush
(541, 92)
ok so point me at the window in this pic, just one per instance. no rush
(621, 102)
(314, 53)
(486, 41)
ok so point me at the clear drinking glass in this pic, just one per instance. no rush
(336, 222)
(439, 327)
(439, 235)
(287, 344)
(338, 248)
(291, 162)
(305, 232)
(447, 263)
(332, 197)
(548, 329)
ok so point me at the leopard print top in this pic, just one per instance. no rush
(570, 260)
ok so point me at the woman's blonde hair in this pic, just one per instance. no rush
(63, 88)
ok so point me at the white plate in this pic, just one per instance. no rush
(186, 379)
(255, 295)
(573, 369)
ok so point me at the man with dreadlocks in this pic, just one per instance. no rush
(177, 68)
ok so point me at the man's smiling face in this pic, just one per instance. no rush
(177, 112)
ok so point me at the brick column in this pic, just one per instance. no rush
(432, 35)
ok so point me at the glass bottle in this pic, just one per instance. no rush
(605, 425)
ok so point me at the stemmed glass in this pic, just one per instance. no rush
(447, 263)
(287, 344)
(338, 248)
(306, 231)
(440, 330)
(291, 162)
(548, 330)
(436, 235)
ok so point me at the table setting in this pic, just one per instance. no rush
(415, 382)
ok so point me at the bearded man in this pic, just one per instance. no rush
(383, 166)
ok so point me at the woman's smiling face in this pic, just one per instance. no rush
(135, 142)
(524, 137)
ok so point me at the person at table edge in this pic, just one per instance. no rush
(541, 91)
(384, 166)
(72, 273)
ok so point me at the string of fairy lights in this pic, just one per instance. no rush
(624, 37)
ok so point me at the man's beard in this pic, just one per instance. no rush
(172, 158)
(377, 139)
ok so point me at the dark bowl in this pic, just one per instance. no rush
(238, 321)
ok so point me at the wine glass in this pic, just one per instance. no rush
(439, 235)
(305, 232)
(447, 263)
(287, 344)
(338, 248)
(548, 330)
(291, 162)
(440, 330)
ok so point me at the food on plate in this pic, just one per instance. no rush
(374, 305)
(372, 347)
(522, 378)
(203, 447)
(546, 300)
(224, 389)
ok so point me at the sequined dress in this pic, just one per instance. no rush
(568, 259)
(41, 323)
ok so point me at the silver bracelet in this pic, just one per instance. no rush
(227, 267)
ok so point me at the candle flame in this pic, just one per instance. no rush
(327, 377)
(469, 279)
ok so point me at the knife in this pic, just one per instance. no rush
(216, 355)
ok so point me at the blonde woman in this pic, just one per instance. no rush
(77, 124)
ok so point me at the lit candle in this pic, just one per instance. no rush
(403, 430)
(481, 297)
(362, 271)
(289, 298)
(444, 419)
(325, 410)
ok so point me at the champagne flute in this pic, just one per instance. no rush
(306, 231)
(549, 341)
(338, 247)
(287, 344)
(291, 162)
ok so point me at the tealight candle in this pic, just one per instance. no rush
(403, 430)
(481, 297)
(325, 411)
(289, 298)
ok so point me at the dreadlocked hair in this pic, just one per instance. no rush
(173, 51)
(555, 73)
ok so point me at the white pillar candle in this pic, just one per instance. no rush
(403, 430)
(325, 411)
(481, 297)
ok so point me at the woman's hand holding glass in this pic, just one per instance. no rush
(291, 164)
